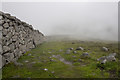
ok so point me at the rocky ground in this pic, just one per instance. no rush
(67, 59)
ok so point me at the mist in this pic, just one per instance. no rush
(98, 20)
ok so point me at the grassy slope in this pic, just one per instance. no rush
(86, 69)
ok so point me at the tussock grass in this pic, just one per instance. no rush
(88, 68)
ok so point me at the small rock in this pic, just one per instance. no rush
(17, 64)
(111, 58)
(53, 72)
(71, 48)
(79, 48)
(33, 62)
(79, 60)
(26, 61)
(73, 42)
(29, 54)
(60, 50)
(49, 52)
(50, 57)
(85, 54)
(52, 60)
(74, 52)
(104, 61)
(104, 49)
(45, 69)
(74, 56)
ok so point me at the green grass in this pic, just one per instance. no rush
(88, 68)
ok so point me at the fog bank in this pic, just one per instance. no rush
(82, 19)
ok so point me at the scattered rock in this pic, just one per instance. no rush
(53, 72)
(26, 61)
(74, 52)
(71, 48)
(52, 60)
(45, 69)
(101, 58)
(79, 60)
(17, 64)
(74, 56)
(79, 48)
(104, 49)
(60, 50)
(85, 54)
(49, 52)
(110, 57)
(29, 54)
(73, 42)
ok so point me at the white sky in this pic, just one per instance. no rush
(89, 19)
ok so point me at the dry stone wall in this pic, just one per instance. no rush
(16, 37)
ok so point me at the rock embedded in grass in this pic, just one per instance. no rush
(73, 42)
(80, 60)
(74, 52)
(17, 64)
(45, 69)
(74, 56)
(52, 60)
(53, 72)
(26, 61)
(60, 50)
(29, 54)
(79, 48)
(110, 57)
(104, 49)
(71, 48)
(85, 54)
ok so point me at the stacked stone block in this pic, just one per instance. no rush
(16, 37)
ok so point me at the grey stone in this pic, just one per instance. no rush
(52, 60)
(1, 35)
(80, 60)
(101, 58)
(1, 28)
(26, 61)
(29, 54)
(104, 49)
(85, 54)
(74, 52)
(1, 22)
(2, 61)
(71, 48)
(1, 17)
(17, 64)
(74, 56)
(1, 50)
(4, 32)
(79, 48)
(5, 25)
(9, 56)
(6, 49)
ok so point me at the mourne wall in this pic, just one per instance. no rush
(16, 37)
